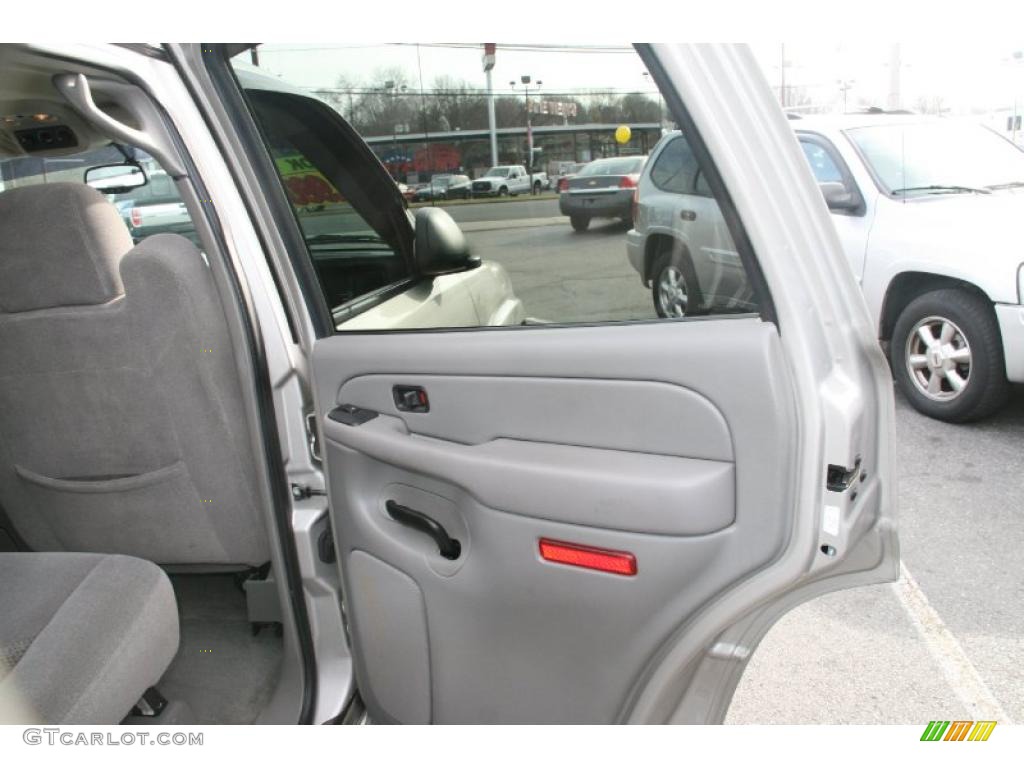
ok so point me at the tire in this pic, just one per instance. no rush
(503, 192)
(580, 223)
(674, 287)
(958, 374)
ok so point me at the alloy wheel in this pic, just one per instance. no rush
(672, 292)
(938, 358)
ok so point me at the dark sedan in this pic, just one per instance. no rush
(602, 189)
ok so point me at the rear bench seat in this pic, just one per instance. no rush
(82, 636)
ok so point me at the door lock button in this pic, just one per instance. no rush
(410, 399)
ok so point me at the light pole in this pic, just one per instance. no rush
(525, 80)
(490, 49)
(845, 86)
(392, 90)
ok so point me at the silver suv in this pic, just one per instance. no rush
(680, 243)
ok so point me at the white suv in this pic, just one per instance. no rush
(927, 212)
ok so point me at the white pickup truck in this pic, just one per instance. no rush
(504, 180)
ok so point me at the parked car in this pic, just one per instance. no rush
(565, 171)
(928, 213)
(445, 187)
(504, 180)
(155, 207)
(410, 191)
(451, 515)
(602, 189)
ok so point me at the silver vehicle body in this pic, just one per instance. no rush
(505, 639)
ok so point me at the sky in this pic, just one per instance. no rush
(318, 65)
(961, 78)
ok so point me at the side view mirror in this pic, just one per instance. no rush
(441, 247)
(117, 178)
(838, 197)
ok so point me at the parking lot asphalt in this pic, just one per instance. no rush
(490, 209)
(947, 641)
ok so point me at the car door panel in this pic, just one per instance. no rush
(638, 438)
(701, 448)
(622, 490)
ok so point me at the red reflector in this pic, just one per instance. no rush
(607, 560)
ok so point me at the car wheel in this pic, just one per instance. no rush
(503, 192)
(674, 285)
(580, 223)
(947, 356)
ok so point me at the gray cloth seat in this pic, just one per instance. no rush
(82, 636)
(122, 428)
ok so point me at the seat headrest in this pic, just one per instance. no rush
(60, 245)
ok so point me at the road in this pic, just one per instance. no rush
(490, 209)
(947, 641)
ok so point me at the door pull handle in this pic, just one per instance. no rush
(449, 548)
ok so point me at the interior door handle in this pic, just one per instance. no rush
(450, 548)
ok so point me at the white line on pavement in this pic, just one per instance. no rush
(957, 668)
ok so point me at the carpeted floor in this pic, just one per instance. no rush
(222, 671)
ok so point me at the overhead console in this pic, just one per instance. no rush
(46, 138)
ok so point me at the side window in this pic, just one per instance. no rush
(821, 162)
(675, 170)
(695, 270)
(541, 159)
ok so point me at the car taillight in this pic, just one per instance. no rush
(628, 182)
(636, 203)
(136, 217)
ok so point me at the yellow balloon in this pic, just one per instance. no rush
(623, 134)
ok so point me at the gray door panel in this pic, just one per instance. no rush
(673, 442)
(625, 490)
(573, 411)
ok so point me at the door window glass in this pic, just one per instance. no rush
(542, 162)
